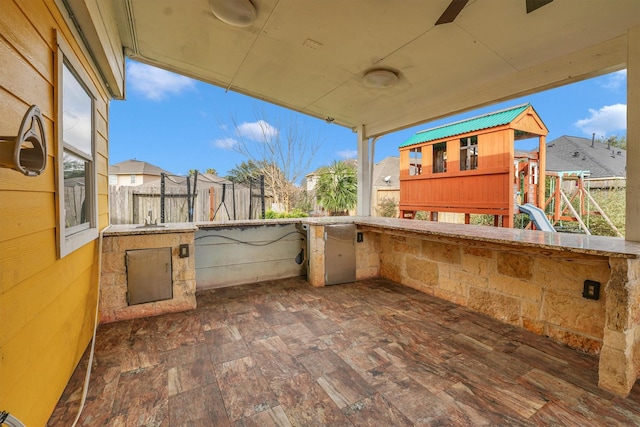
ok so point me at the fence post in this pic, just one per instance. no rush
(211, 204)
(131, 202)
(189, 219)
(162, 197)
(233, 194)
(250, 198)
(262, 195)
(193, 199)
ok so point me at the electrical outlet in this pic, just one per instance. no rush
(359, 237)
(591, 289)
(184, 251)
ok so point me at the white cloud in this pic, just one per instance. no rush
(347, 154)
(154, 83)
(225, 143)
(604, 121)
(615, 80)
(260, 131)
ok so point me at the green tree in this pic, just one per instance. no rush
(337, 188)
(618, 141)
(209, 170)
(245, 172)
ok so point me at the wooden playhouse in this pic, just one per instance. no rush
(472, 167)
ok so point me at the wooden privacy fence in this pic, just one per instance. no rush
(74, 205)
(217, 202)
(382, 195)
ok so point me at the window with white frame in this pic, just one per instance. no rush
(77, 196)
(133, 179)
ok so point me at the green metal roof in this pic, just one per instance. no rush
(498, 118)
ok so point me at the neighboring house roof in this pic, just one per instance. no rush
(497, 118)
(387, 167)
(136, 167)
(572, 153)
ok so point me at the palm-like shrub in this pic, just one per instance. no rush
(337, 188)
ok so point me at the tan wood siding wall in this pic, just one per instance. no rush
(47, 303)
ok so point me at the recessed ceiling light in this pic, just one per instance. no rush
(380, 78)
(238, 13)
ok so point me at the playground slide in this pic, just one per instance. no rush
(537, 216)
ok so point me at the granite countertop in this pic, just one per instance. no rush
(204, 225)
(133, 229)
(577, 243)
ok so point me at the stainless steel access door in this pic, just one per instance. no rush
(340, 253)
(149, 275)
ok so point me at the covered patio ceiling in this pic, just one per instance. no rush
(311, 56)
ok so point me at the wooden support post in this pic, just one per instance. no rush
(557, 200)
(573, 211)
(542, 169)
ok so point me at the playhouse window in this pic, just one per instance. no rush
(415, 161)
(440, 157)
(77, 222)
(469, 153)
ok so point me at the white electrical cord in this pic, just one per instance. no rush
(9, 420)
(85, 387)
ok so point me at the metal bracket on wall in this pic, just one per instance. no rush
(26, 152)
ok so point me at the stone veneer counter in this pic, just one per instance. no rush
(118, 239)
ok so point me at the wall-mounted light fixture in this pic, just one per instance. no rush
(237, 13)
(380, 78)
(27, 151)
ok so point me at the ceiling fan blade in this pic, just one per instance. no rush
(452, 11)
(536, 4)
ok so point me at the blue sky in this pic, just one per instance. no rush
(178, 123)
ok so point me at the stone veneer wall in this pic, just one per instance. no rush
(620, 355)
(541, 292)
(113, 288)
(368, 256)
(315, 272)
